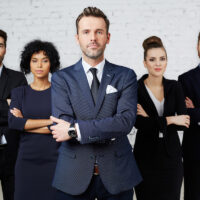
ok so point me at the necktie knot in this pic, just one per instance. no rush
(93, 71)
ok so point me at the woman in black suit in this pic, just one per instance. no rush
(161, 112)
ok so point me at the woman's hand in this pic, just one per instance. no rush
(189, 103)
(180, 120)
(141, 111)
(16, 112)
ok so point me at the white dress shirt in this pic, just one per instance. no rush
(89, 76)
(1, 67)
(3, 139)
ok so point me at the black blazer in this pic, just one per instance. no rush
(9, 79)
(191, 86)
(150, 150)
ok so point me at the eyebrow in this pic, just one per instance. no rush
(46, 57)
(99, 29)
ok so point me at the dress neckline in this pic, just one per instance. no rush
(39, 90)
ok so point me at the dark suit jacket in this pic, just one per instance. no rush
(191, 86)
(9, 79)
(152, 152)
(103, 128)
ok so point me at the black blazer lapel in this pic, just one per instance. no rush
(196, 81)
(144, 97)
(3, 81)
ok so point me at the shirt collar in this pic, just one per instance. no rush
(1, 67)
(99, 67)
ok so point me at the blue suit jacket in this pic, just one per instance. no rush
(190, 82)
(104, 128)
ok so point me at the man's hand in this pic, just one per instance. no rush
(189, 103)
(60, 130)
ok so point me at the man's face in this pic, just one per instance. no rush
(2, 49)
(92, 37)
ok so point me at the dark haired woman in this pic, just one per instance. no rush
(29, 112)
(161, 112)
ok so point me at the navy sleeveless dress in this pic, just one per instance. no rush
(37, 154)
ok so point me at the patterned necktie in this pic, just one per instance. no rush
(95, 84)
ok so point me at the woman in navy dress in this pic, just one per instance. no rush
(30, 111)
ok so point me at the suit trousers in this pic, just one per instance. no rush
(7, 179)
(96, 190)
(191, 180)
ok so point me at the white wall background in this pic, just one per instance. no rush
(177, 22)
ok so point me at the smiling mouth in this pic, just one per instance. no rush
(158, 69)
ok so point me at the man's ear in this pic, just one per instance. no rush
(108, 38)
(77, 38)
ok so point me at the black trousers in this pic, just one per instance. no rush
(191, 180)
(6, 177)
(96, 190)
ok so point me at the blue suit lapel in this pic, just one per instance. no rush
(105, 81)
(83, 83)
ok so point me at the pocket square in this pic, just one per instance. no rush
(110, 89)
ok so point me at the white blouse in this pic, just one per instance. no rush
(158, 104)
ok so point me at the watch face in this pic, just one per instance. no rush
(72, 133)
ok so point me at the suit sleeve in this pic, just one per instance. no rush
(152, 123)
(193, 112)
(3, 112)
(117, 125)
(180, 106)
(4, 107)
(16, 123)
(61, 105)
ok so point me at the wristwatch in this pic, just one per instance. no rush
(72, 131)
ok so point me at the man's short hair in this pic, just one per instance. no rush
(94, 12)
(3, 34)
(199, 38)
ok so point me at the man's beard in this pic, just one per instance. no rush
(93, 55)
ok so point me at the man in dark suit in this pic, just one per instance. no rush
(191, 141)
(9, 79)
(94, 104)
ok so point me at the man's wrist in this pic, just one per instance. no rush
(72, 131)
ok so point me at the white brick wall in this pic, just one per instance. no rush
(176, 22)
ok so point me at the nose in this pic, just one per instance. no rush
(40, 64)
(93, 36)
(158, 62)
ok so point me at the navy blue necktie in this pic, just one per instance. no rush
(95, 84)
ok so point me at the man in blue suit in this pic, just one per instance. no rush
(191, 140)
(94, 108)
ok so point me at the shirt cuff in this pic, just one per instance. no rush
(78, 132)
